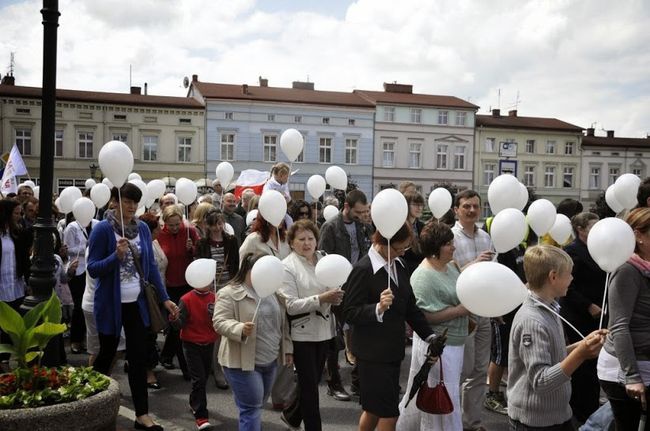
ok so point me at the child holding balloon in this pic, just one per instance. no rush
(279, 180)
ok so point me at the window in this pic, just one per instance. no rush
(489, 145)
(351, 121)
(119, 117)
(227, 146)
(297, 118)
(122, 137)
(228, 116)
(614, 172)
(301, 156)
(270, 148)
(23, 111)
(415, 155)
(270, 117)
(530, 146)
(486, 211)
(595, 153)
(461, 117)
(416, 115)
(325, 150)
(389, 155)
(594, 177)
(24, 141)
(488, 173)
(58, 143)
(150, 119)
(567, 177)
(459, 157)
(568, 148)
(529, 176)
(184, 149)
(616, 154)
(550, 147)
(85, 144)
(637, 171)
(442, 117)
(326, 120)
(549, 176)
(185, 121)
(389, 114)
(351, 151)
(441, 157)
(150, 148)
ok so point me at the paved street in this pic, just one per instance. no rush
(170, 404)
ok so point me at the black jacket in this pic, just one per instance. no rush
(334, 238)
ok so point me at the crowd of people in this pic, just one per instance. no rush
(399, 292)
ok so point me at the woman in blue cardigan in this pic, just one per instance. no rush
(119, 300)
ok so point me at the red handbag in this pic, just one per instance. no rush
(436, 400)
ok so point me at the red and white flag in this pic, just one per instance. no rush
(251, 179)
(14, 167)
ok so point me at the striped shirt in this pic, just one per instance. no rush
(469, 247)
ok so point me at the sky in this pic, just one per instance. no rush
(586, 62)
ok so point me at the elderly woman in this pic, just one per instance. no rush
(378, 309)
(624, 362)
(434, 287)
(250, 350)
(308, 304)
(115, 244)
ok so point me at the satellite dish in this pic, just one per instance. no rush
(186, 82)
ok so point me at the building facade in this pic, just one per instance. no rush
(244, 124)
(544, 154)
(426, 139)
(165, 134)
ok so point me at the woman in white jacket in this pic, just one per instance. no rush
(308, 304)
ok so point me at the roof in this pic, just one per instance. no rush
(277, 94)
(603, 141)
(101, 97)
(415, 99)
(517, 122)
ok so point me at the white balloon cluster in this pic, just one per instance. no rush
(622, 194)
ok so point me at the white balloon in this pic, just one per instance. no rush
(140, 210)
(330, 212)
(612, 202)
(57, 204)
(148, 202)
(89, 184)
(29, 183)
(37, 192)
(116, 162)
(336, 177)
(389, 211)
(250, 217)
(186, 191)
(490, 289)
(156, 189)
(201, 272)
(291, 142)
(100, 195)
(68, 197)
(523, 197)
(439, 202)
(504, 192)
(561, 230)
(108, 183)
(273, 207)
(143, 188)
(508, 229)
(134, 176)
(611, 243)
(224, 172)
(267, 275)
(227, 227)
(541, 216)
(333, 270)
(316, 186)
(625, 189)
(84, 211)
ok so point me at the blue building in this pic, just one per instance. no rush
(244, 124)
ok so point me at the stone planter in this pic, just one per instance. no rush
(96, 413)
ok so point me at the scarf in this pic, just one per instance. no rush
(130, 230)
(641, 264)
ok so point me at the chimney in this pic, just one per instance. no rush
(145, 88)
(590, 131)
(496, 112)
(195, 78)
(8, 80)
(398, 88)
(263, 82)
(136, 90)
(512, 113)
(610, 133)
(299, 85)
(244, 88)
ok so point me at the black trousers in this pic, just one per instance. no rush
(77, 286)
(199, 367)
(309, 360)
(627, 411)
(136, 349)
(173, 346)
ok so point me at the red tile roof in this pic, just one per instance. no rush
(415, 99)
(517, 122)
(277, 94)
(603, 141)
(101, 97)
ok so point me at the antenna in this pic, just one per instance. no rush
(12, 63)
(499, 98)
(130, 80)
(517, 100)
(186, 82)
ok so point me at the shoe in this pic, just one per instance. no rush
(496, 402)
(221, 383)
(77, 350)
(284, 419)
(169, 365)
(155, 427)
(154, 385)
(338, 393)
(203, 424)
(354, 391)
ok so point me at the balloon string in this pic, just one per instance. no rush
(602, 308)
(221, 203)
(254, 316)
(187, 219)
(119, 198)
(389, 265)
(558, 315)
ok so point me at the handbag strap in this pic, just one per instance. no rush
(138, 265)
(442, 380)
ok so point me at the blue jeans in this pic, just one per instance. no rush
(251, 389)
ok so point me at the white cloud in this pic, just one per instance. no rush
(577, 60)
